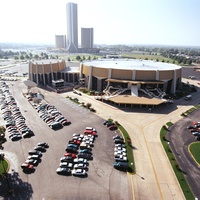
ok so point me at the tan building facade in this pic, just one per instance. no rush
(124, 73)
(43, 72)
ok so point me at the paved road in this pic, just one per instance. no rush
(180, 138)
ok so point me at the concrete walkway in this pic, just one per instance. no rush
(154, 178)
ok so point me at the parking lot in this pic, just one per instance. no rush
(102, 182)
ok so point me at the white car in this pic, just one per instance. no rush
(66, 165)
(119, 153)
(88, 139)
(78, 135)
(80, 160)
(120, 145)
(120, 149)
(120, 158)
(78, 172)
(80, 166)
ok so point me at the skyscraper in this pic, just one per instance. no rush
(87, 38)
(72, 27)
(60, 41)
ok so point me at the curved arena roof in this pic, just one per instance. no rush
(131, 64)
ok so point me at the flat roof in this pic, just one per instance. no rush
(128, 99)
(131, 64)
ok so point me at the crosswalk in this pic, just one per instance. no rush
(75, 106)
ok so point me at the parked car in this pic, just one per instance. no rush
(120, 153)
(117, 137)
(120, 149)
(32, 162)
(40, 148)
(85, 151)
(80, 160)
(119, 141)
(80, 166)
(73, 145)
(121, 166)
(63, 171)
(27, 166)
(35, 152)
(90, 132)
(56, 125)
(112, 127)
(85, 155)
(120, 158)
(34, 157)
(71, 150)
(73, 155)
(66, 159)
(43, 144)
(66, 165)
(78, 172)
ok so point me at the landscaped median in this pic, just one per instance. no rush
(194, 150)
(4, 166)
(177, 170)
(186, 113)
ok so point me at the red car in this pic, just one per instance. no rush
(73, 155)
(90, 132)
(26, 166)
(65, 122)
(74, 141)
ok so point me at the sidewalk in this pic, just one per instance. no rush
(154, 178)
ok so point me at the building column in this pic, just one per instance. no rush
(68, 77)
(90, 79)
(37, 74)
(133, 75)
(43, 74)
(51, 71)
(173, 87)
(157, 75)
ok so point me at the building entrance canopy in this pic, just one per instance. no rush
(134, 82)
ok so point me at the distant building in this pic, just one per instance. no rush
(72, 27)
(60, 41)
(87, 38)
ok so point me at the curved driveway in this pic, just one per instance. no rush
(180, 138)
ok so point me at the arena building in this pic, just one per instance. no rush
(132, 77)
(121, 80)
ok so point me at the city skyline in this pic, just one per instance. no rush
(155, 22)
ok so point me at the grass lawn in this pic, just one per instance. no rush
(194, 149)
(177, 170)
(150, 57)
(3, 164)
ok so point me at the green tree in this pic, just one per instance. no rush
(89, 58)
(36, 56)
(78, 58)
(21, 57)
(27, 56)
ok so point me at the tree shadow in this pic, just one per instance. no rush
(13, 188)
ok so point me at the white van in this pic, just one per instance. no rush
(188, 97)
(90, 128)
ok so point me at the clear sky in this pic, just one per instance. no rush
(168, 22)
